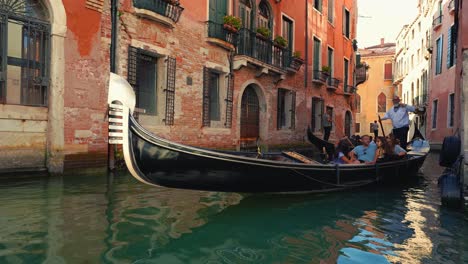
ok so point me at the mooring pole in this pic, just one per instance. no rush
(113, 48)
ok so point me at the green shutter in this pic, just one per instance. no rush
(449, 48)
(229, 100)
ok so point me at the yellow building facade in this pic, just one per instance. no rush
(375, 95)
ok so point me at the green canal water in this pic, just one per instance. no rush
(115, 219)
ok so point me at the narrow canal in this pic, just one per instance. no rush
(115, 219)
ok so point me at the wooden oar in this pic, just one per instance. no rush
(381, 126)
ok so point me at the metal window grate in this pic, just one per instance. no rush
(293, 110)
(170, 91)
(33, 80)
(206, 97)
(229, 100)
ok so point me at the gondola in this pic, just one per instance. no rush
(161, 162)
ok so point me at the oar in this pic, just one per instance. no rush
(381, 126)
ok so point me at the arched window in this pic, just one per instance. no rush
(411, 99)
(24, 26)
(382, 103)
(264, 15)
(245, 13)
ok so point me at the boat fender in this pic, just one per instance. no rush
(451, 148)
(450, 188)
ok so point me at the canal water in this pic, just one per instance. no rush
(115, 219)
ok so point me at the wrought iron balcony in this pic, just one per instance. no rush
(167, 8)
(349, 89)
(437, 22)
(333, 83)
(255, 46)
(218, 31)
(361, 73)
(320, 77)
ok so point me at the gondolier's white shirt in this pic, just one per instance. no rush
(400, 117)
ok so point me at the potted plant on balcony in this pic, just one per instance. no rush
(297, 60)
(263, 32)
(280, 42)
(232, 23)
(326, 70)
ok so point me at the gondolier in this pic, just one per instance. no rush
(400, 120)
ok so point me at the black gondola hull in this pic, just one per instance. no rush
(161, 162)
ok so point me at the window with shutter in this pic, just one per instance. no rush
(170, 91)
(388, 71)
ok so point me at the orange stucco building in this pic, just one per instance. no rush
(376, 94)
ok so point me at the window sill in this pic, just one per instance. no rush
(155, 17)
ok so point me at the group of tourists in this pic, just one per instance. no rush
(368, 150)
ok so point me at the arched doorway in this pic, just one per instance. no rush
(250, 115)
(348, 120)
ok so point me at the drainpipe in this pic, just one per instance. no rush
(113, 48)
(306, 59)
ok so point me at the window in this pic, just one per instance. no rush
(214, 96)
(346, 23)
(371, 130)
(288, 32)
(451, 46)
(388, 70)
(331, 9)
(382, 103)
(317, 110)
(145, 72)
(438, 58)
(264, 15)
(358, 127)
(345, 74)
(358, 103)
(434, 114)
(451, 111)
(318, 5)
(245, 11)
(24, 54)
(217, 98)
(286, 108)
(330, 62)
(317, 54)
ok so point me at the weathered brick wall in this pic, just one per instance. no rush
(86, 82)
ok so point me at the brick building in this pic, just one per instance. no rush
(220, 89)
(197, 82)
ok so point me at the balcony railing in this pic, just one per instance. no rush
(437, 21)
(320, 76)
(333, 83)
(361, 73)
(349, 89)
(218, 31)
(162, 7)
(264, 50)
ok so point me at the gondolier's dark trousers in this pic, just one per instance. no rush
(402, 135)
(326, 134)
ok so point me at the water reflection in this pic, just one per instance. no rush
(115, 219)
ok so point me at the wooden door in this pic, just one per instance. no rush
(250, 115)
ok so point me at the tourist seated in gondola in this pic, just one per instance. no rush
(342, 152)
(398, 151)
(364, 153)
(383, 152)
